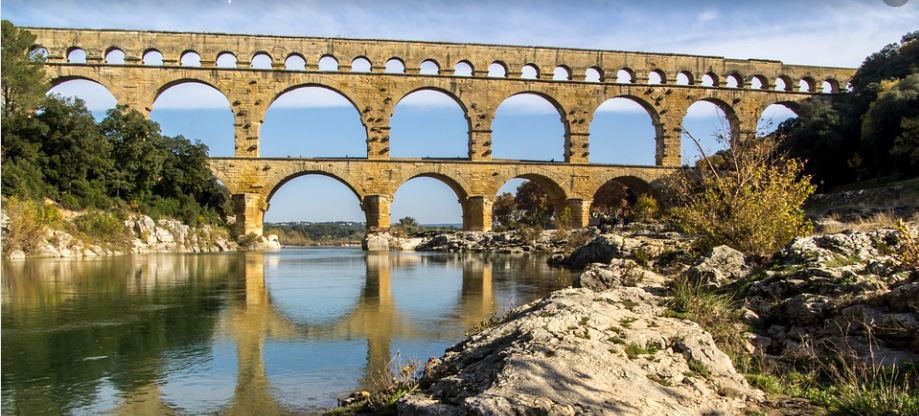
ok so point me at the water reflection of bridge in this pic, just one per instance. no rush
(253, 319)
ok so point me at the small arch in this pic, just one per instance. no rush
(38, 53)
(529, 71)
(361, 64)
(76, 56)
(806, 84)
(733, 80)
(226, 60)
(709, 80)
(625, 76)
(114, 56)
(260, 60)
(152, 57)
(295, 62)
(190, 58)
(783, 83)
(497, 69)
(593, 74)
(561, 73)
(328, 63)
(758, 82)
(429, 67)
(395, 66)
(829, 86)
(684, 78)
(463, 69)
(657, 77)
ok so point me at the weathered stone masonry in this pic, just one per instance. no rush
(374, 180)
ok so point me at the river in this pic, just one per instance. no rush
(240, 333)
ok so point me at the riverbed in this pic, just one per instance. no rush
(267, 333)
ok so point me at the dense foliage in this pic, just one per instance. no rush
(750, 198)
(53, 148)
(312, 233)
(870, 132)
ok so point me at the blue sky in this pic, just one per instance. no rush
(316, 122)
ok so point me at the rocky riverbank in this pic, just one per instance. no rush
(618, 345)
(141, 234)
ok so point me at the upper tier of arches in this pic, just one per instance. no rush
(549, 64)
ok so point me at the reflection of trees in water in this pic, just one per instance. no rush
(68, 325)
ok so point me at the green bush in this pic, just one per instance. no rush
(27, 222)
(749, 198)
(98, 227)
(646, 208)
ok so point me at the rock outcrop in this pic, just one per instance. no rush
(605, 247)
(722, 264)
(583, 352)
(838, 292)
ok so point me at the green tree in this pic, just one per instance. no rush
(22, 77)
(504, 210)
(882, 125)
(136, 151)
(533, 201)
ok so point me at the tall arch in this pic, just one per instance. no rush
(198, 111)
(96, 96)
(413, 116)
(774, 115)
(711, 122)
(624, 130)
(529, 126)
(313, 120)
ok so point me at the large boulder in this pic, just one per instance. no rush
(583, 352)
(619, 273)
(376, 242)
(722, 264)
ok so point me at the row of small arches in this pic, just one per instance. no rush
(496, 69)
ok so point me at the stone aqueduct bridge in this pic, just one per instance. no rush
(253, 180)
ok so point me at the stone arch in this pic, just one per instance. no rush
(593, 74)
(76, 55)
(211, 120)
(463, 68)
(657, 77)
(637, 185)
(625, 76)
(261, 60)
(38, 52)
(684, 77)
(497, 69)
(284, 177)
(552, 185)
(295, 62)
(333, 89)
(710, 80)
(529, 71)
(429, 67)
(758, 82)
(361, 64)
(449, 94)
(561, 73)
(328, 63)
(458, 185)
(183, 80)
(783, 83)
(733, 80)
(566, 132)
(705, 127)
(807, 84)
(114, 56)
(190, 58)
(830, 86)
(226, 59)
(152, 57)
(112, 89)
(92, 96)
(651, 112)
(772, 110)
(394, 65)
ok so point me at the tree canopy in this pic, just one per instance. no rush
(53, 148)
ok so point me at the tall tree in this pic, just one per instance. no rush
(22, 77)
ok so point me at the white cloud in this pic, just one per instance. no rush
(707, 15)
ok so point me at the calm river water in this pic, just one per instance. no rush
(243, 333)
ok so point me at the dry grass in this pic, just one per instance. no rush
(879, 220)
